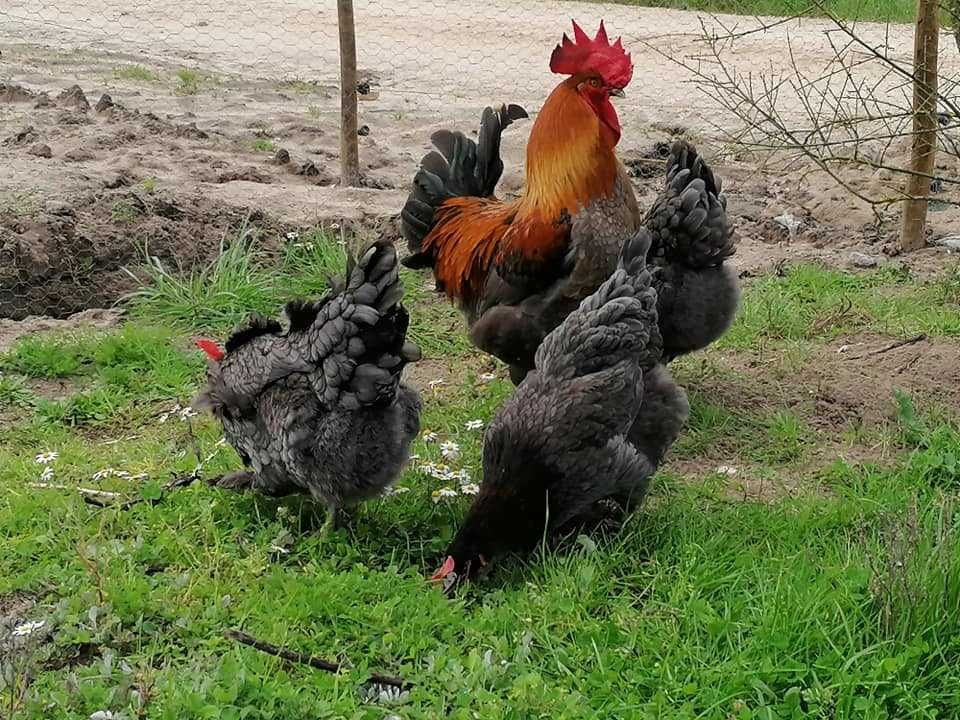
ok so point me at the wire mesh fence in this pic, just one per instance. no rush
(218, 105)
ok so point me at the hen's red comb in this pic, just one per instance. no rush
(584, 55)
(212, 350)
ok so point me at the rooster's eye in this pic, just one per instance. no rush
(594, 82)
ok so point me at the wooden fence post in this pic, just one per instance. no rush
(349, 145)
(924, 144)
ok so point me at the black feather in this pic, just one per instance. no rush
(301, 314)
(255, 326)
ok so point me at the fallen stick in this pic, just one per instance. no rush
(85, 492)
(892, 346)
(109, 499)
(311, 660)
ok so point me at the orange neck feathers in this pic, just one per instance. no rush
(570, 155)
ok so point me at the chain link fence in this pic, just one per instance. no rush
(216, 109)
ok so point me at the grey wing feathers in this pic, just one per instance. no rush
(617, 322)
(354, 342)
(688, 221)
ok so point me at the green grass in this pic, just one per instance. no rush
(188, 81)
(222, 294)
(838, 600)
(263, 145)
(136, 73)
(878, 10)
(811, 302)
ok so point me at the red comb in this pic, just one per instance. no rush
(212, 350)
(448, 566)
(584, 55)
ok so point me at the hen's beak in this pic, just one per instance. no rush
(617, 92)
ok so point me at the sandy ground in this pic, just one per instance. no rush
(84, 188)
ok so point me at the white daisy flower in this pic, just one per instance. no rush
(396, 490)
(450, 450)
(462, 475)
(27, 628)
(45, 458)
(470, 489)
(430, 437)
(444, 492)
(474, 425)
(47, 474)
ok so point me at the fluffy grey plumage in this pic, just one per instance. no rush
(561, 443)
(692, 237)
(319, 407)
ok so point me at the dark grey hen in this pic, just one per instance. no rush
(317, 405)
(560, 445)
(692, 237)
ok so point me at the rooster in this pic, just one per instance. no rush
(559, 446)
(516, 269)
(319, 406)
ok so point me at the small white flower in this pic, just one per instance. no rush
(172, 411)
(437, 382)
(47, 474)
(45, 458)
(462, 475)
(727, 470)
(487, 377)
(430, 437)
(28, 628)
(450, 450)
(397, 490)
(444, 492)
(474, 425)
(293, 235)
(470, 489)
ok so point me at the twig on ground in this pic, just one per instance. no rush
(892, 346)
(303, 659)
(108, 499)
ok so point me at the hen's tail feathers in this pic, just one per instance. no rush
(617, 322)
(689, 221)
(355, 338)
(461, 168)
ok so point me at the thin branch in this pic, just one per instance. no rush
(304, 659)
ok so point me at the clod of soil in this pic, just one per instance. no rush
(73, 97)
(40, 150)
(23, 137)
(10, 93)
(104, 103)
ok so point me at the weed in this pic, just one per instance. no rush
(149, 184)
(263, 145)
(124, 211)
(136, 73)
(188, 81)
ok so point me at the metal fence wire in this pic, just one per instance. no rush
(224, 104)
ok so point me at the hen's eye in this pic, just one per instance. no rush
(594, 82)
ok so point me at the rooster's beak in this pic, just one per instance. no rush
(617, 92)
